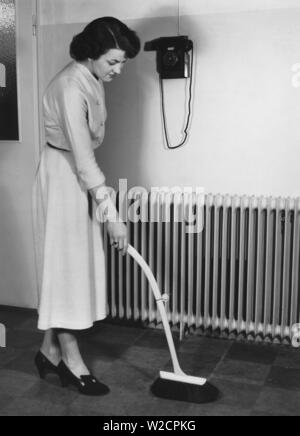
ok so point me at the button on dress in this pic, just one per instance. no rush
(69, 253)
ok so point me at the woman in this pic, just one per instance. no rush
(68, 189)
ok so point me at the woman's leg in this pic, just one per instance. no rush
(71, 353)
(50, 347)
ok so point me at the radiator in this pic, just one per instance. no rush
(237, 278)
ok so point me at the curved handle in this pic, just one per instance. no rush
(145, 267)
(160, 304)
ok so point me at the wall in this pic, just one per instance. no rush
(17, 165)
(245, 126)
(245, 132)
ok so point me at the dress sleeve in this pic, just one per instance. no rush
(72, 110)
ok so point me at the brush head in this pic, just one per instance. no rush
(180, 391)
(182, 377)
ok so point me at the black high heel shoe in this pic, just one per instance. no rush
(44, 366)
(86, 384)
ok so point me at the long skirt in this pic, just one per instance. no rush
(70, 262)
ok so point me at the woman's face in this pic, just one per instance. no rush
(108, 65)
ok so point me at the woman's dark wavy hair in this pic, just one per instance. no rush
(102, 35)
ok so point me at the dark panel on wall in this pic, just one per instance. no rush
(9, 126)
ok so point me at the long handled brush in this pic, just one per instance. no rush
(174, 385)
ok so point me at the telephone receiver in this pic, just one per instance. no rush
(169, 43)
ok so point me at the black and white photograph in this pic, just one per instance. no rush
(150, 210)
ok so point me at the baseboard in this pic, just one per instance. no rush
(17, 309)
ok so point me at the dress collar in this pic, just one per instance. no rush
(87, 73)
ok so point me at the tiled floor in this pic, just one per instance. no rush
(261, 380)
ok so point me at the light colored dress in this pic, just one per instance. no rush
(70, 259)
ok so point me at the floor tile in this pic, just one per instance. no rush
(156, 339)
(106, 350)
(23, 339)
(14, 383)
(216, 410)
(130, 375)
(24, 363)
(9, 354)
(203, 347)
(33, 407)
(144, 403)
(146, 357)
(288, 357)
(29, 324)
(278, 402)
(256, 353)
(110, 333)
(50, 391)
(5, 400)
(85, 408)
(98, 366)
(267, 414)
(96, 406)
(242, 371)
(287, 378)
(235, 399)
(13, 318)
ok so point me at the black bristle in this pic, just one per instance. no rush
(180, 391)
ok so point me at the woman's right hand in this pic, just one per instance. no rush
(118, 236)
